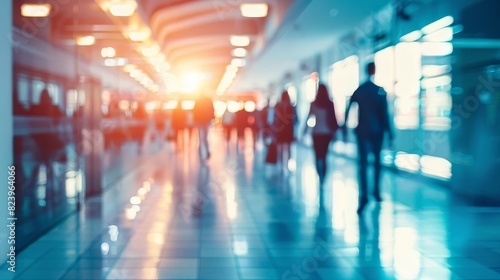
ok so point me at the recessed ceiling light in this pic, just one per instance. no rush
(238, 62)
(138, 36)
(85, 40)
(239, 52)
(35, 10)
(124, 9)
(240, 41)
(108, 52)
(254, 10)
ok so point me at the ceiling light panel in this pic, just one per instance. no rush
(35, 10)
(123, 8)
(254, 10)
(240, 41)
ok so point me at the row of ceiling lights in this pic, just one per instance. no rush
(240, 42)
(151, 50)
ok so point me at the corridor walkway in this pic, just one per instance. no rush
(236, 218)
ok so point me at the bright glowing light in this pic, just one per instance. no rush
(436, 166)
(162, 67)
(240, 41)
(150, 51)
(233, 106)
(436, 49)
(157, 59)
(443, 35)
(438, 24)
(407, 264)
(239, 52)
(130, 213)
(250, 106)
(238, 62)
(123, 9)
(311, 85)
(112, 62)
(138, 36)
(240, 248)
(428, 83)
(435, 70)
(85, 41)
(292, 165)
(135, 200)
(129, 67)
(104, 248)
(35, 10)
(136, 73)
(254, 10)
(113, 233)
(219, 107)
(108, 52)
(409, 162)
(232, 68)
(188, 104)
(311, 122)
(170, 105)
(412, 36)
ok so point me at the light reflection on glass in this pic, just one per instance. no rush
(409, 162)
(231, 204)
(104, 248)
(113, 233)
(130, 213)
(240, 247)
(407, 262)
(70, 187)
(292, 165)
(310, 189)
(135, 200)
(436, 166)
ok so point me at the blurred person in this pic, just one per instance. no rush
(160, 120)
(227, 121)
(139, 131)
(51, 145)
(283, 126)
(241, 123)
(324, 130)
(204, 113)
(179, 124)
(373, 122)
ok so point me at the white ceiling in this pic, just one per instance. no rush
(314, 26)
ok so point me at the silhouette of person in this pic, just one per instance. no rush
(178, 125)
(283, 126)
(203, 115)
(324, 129)
(373, 122)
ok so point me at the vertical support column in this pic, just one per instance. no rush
(6, 127)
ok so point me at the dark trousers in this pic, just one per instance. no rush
(320, 144)
(367, 145)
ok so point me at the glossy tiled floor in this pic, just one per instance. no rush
(235, 218)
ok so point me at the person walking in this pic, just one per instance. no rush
(203, 116)
(373, 123)
(283, 126)
(324, 130)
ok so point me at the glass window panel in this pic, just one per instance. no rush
(23, 94)
(37, 87)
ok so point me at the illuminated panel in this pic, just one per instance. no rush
(254, 10)
(344, 79)
(35, 10)
(240, 41)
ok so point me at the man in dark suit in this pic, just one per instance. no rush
(373, 122)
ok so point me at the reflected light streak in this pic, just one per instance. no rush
(438, 24)
(35, 10)
(104, 248)
(113, 233)
(240, 248)
(436, 166)
(407, 262)
(408, 162)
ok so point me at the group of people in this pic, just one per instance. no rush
(373, 124)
